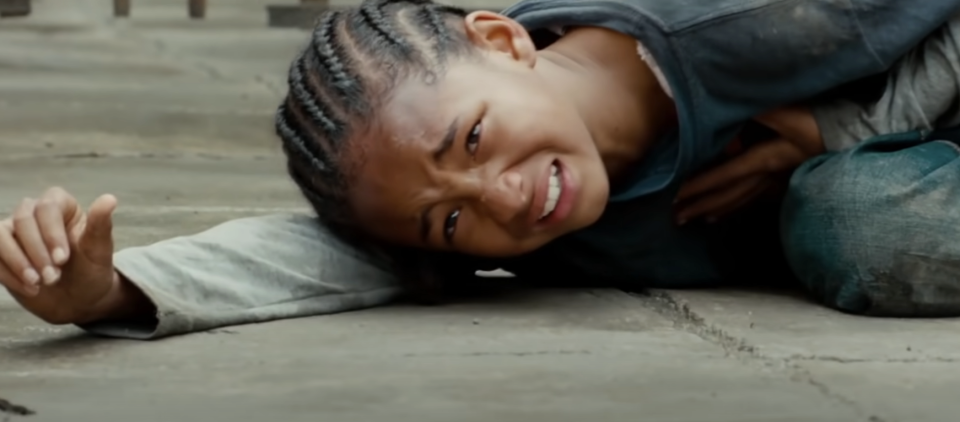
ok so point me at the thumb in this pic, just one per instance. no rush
(96, 242)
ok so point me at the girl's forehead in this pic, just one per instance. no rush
(429, 101)
(408, 123)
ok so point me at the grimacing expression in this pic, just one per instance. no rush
(488, 160)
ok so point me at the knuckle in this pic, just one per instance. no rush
(21, 218)
(44, 207)
(25, 209)
(54, 191)
(45, 202)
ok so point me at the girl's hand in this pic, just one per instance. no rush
(57, 261)
(753, 172)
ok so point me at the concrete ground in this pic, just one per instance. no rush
(174, 117)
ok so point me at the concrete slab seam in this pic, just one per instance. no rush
(684, 317)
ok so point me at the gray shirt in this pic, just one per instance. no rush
(245, 271)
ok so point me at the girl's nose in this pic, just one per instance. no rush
(503, 197)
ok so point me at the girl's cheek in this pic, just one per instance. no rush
(507, 140)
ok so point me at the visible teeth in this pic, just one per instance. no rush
(553, 193)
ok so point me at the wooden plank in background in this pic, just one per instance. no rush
(11, 8)
(305, 14)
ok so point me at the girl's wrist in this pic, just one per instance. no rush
(123, 301)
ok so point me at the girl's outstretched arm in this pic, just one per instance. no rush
(58, 262)
(248, 270)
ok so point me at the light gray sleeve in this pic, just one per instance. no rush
(922, 93)
(247, 271)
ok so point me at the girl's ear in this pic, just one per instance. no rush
(499, 34)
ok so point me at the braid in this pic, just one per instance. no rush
(331, 58)
(293, 140)
(355, 58)
(372, 15)
(429, 18)
(301, 92)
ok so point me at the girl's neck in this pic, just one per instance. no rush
(616, 92)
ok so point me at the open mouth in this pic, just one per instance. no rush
(554, 190)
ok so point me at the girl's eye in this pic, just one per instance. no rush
(450, 225)
(473, 139)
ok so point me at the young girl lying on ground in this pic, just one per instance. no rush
(562, 140)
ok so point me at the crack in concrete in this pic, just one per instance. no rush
(687, 319)
(516, 354)
(8, 408)
(840, 359)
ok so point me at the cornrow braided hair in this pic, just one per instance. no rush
(355, 58)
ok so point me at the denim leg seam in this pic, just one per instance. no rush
(952, 145)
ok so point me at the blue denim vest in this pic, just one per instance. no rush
(725, 61)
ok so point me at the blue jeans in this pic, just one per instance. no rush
(876, 230)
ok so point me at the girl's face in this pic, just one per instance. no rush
(487, 161)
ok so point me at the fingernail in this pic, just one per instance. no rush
(59, 256)
(50, 275)
(31, 276)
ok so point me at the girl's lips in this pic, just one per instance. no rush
(539, 200)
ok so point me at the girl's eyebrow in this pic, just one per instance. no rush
(447, 142)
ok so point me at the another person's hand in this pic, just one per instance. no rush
(750, 173)
(57, 261)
